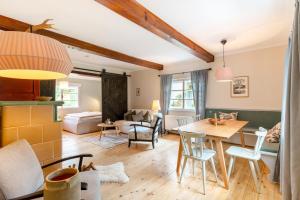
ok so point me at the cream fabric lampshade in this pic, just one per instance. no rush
(223, 74)
(155, 105)
(31, 56)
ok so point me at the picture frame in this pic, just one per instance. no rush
(239, 87)
(138, 92)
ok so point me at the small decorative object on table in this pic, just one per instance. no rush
(63, 184)
(108, 122)
(43, 98)
(214, 121)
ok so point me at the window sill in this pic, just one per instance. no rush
(182, 110)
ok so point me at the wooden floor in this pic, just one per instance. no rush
(153, 176)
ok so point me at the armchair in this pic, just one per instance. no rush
(144, 133)
(21, 176)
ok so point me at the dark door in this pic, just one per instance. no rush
(114, 96)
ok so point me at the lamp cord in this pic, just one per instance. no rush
(223, 57)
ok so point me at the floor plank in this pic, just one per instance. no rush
(153, 173)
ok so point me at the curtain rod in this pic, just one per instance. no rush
(184, 72)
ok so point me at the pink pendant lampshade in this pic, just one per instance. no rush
(31, 56)
(223, 74)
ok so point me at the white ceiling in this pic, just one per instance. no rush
(247, 25)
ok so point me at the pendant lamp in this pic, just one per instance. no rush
(26, 55)
(223, 74)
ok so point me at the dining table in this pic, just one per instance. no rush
(217, 133)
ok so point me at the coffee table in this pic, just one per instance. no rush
(103, 127)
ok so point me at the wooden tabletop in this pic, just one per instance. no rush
(222, 131)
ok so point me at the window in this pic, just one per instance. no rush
(182, 95)
(70, 95)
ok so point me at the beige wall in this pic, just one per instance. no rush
(149, 84)
(264, 68)
(89, 95)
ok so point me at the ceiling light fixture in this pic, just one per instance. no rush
(26, 55)
(223, 74)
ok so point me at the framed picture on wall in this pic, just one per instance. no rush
(240, 86)
(138, 92)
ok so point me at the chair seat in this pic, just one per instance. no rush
(206, 155)
(143, 133)
(243, 153)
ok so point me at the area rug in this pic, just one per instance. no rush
(114, 173)
(107, 141)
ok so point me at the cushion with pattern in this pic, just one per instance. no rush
(228, 116)
(273, 134)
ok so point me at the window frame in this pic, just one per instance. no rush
(183, 96)
(78, 100)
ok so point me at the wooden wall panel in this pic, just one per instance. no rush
(18, 89)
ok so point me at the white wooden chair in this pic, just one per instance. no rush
(252, 155)
(198, 118)
(196, 151)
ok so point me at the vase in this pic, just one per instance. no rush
(63, 184)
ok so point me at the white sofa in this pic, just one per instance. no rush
(124, 126)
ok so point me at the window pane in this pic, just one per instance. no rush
(176, 104)
(188, 94)
(187, 85)
(177, 85)
(189, 104)
(176, 95)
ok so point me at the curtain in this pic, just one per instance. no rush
(290, 137)
(199, 86)
(165, 94)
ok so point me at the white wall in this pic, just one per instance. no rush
(89, 95)
(264, 68)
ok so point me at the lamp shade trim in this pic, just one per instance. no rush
(20, 51)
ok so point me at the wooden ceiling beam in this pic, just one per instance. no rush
(9, 24)
(138, 14)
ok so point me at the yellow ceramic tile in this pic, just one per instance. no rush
(41, 114)
(44, 151)
(57, 148)
(33, 134)
(52, 131)
(14, 116)
(9, 135)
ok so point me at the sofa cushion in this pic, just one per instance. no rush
(20, 170)
(273, 135)
(138, 117)
(128, 116)
(228, 116)
(147, 117)
(143, 133)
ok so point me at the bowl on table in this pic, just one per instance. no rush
(43, 98)
(219, 121)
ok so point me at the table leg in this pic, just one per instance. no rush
(179, 157)
(101, 132)
(242, 138)
(220, 152)
(117, 130)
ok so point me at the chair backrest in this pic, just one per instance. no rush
(20, 170)
(190, 147)
(196, 118)
(261, 134)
